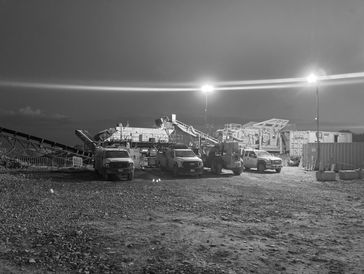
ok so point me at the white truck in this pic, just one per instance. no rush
(113, 162)
(261, 160)
(181, 161)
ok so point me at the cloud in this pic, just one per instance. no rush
(28, 113)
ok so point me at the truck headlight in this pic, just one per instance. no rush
(131, 164)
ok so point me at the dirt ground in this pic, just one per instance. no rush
(72, 222)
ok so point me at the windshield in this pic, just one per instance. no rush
(263, 154)
(185, 153)
(117, 154)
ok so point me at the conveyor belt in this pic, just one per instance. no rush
(188, 128)
(86, 138)
(26, 139)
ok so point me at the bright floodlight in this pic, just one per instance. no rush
(312, 78)
(207, 88)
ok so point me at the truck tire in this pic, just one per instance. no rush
(237, 171)
(162, 167)
(218, 168)
(261, 167)
(213, 167)
(278, 170)
(105, 176)
(175, 171)
(131, 176)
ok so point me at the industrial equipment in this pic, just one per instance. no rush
(223, 155)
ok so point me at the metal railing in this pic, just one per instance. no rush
(49, 161)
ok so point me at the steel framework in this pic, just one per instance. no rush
(15, 144)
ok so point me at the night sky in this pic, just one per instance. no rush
(155, 42)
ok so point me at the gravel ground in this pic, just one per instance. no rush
(72, 222)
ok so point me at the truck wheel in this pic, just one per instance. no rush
(261, 167)
(131, 176)
(175, 171)
(278, 170)
(246, 168)
(218, 168)
(213, 167)
(105, 176)
(237, 171)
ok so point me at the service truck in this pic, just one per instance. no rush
(261, 160)
(113, 162)
(181, 161)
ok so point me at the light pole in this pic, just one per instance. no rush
(206, 89)
(313, 79)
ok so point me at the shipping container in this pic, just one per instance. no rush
(297, 139)
(341, 156)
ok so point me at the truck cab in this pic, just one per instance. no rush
(181, 161)
(114, 162)
(261, 160)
